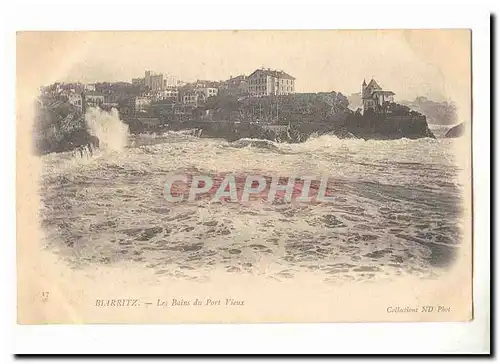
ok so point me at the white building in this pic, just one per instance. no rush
(76, 100)
(170, 81)
(158, 81)
(141, 104)
(208, 91)
(194, 98)
(373, 96)
(93, 98)
(169, 94)
(265, 82)
(237, 85)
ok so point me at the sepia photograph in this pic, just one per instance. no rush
(244, 176)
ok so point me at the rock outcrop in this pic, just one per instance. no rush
(284, 119)
(456, 132)
(60, 128)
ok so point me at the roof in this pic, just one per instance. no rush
(273, 73)
(93, 93)
(194, 92)
(374, 85)
(237, 78)
(375, 88)
(383, 92)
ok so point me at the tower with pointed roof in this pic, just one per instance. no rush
(373, 96)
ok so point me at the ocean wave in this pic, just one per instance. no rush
(108, 128)
(169, 133)
(396, 208)
(255, 143)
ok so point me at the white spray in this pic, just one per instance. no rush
(108, 128)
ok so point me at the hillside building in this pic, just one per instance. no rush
(265, 82)
(373, 97)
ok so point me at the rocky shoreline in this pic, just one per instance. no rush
(300, 132)
(301, 116)
(456, 132)
(231, 131)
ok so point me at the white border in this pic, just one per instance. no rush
(285, 338)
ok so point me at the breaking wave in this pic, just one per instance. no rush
(397, 207)
(255, 143)
(108, 128)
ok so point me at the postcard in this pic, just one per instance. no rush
(244, 176)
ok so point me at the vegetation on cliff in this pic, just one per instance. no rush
(59, 126)
(303, 115)
(390, 121)
(355, 101)
(284, 109)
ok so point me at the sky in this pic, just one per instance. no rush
(411, 63)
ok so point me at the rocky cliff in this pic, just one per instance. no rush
(60, 127)
(294, 118)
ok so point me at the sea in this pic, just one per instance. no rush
(396, 209)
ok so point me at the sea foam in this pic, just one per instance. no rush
(108, 128)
